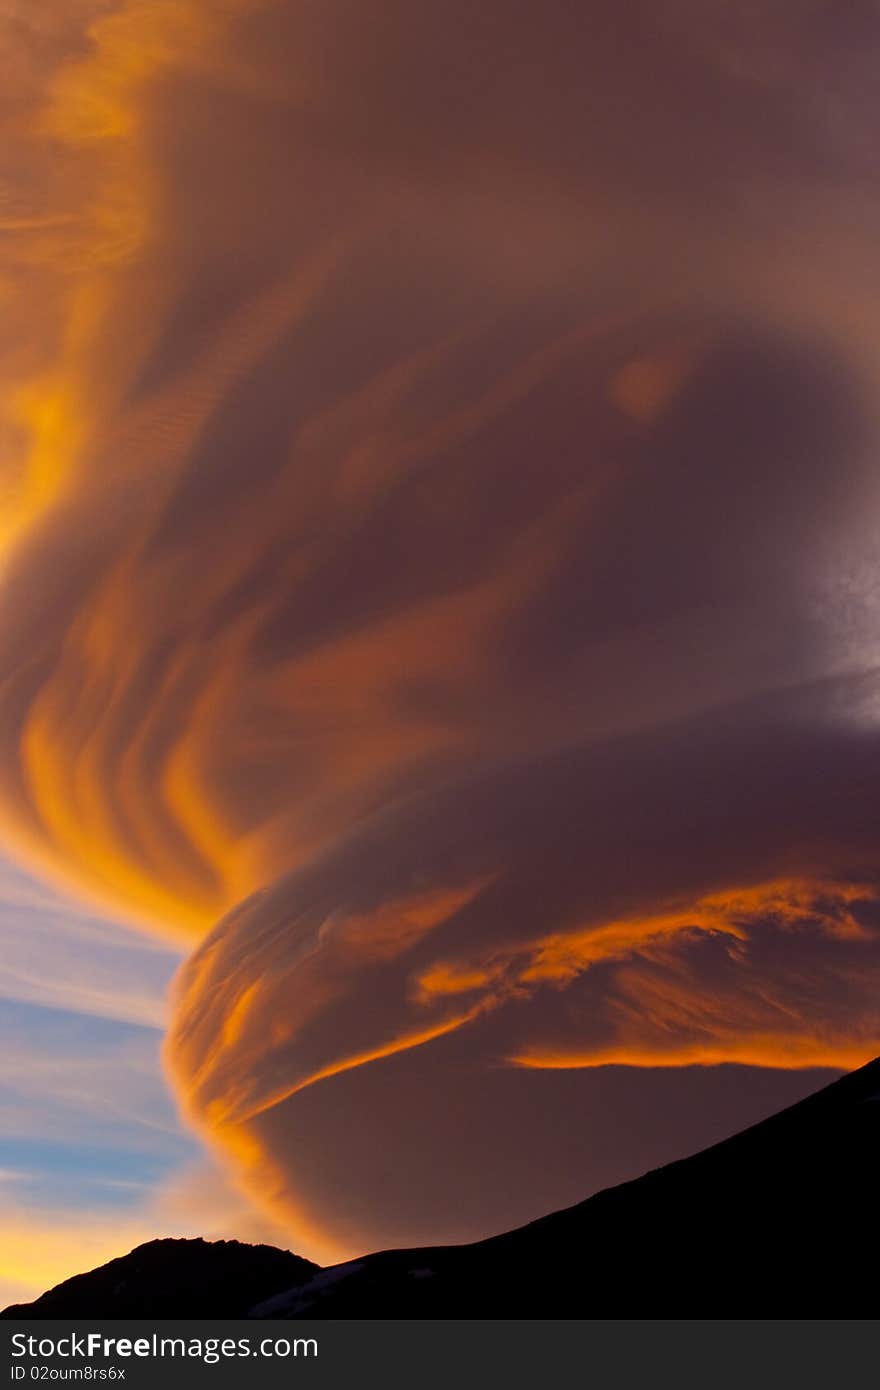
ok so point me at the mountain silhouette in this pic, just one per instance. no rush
(777, 1221)
(173, 1279)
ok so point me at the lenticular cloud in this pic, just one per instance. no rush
(441, 577)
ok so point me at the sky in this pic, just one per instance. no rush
(439, 617)
(93, 1157)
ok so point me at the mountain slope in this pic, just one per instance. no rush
(173, 1279)
(778, 1221)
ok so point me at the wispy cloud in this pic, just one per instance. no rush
(56, 954)
(438, 498)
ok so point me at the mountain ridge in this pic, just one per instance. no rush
(776, 1220)
(171, 1277)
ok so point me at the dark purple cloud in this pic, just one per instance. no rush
(449, 514)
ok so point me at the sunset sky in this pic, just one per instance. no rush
(439, 605)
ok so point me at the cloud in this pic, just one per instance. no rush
(441, 503)
(653, 901)
(43, 1245)
(73, 1082)
(56, 955)
(93, 1160)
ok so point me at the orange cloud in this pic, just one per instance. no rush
(781, 975)
(439, 508)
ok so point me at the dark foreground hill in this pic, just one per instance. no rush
(778, 1221)
(173, 1279)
